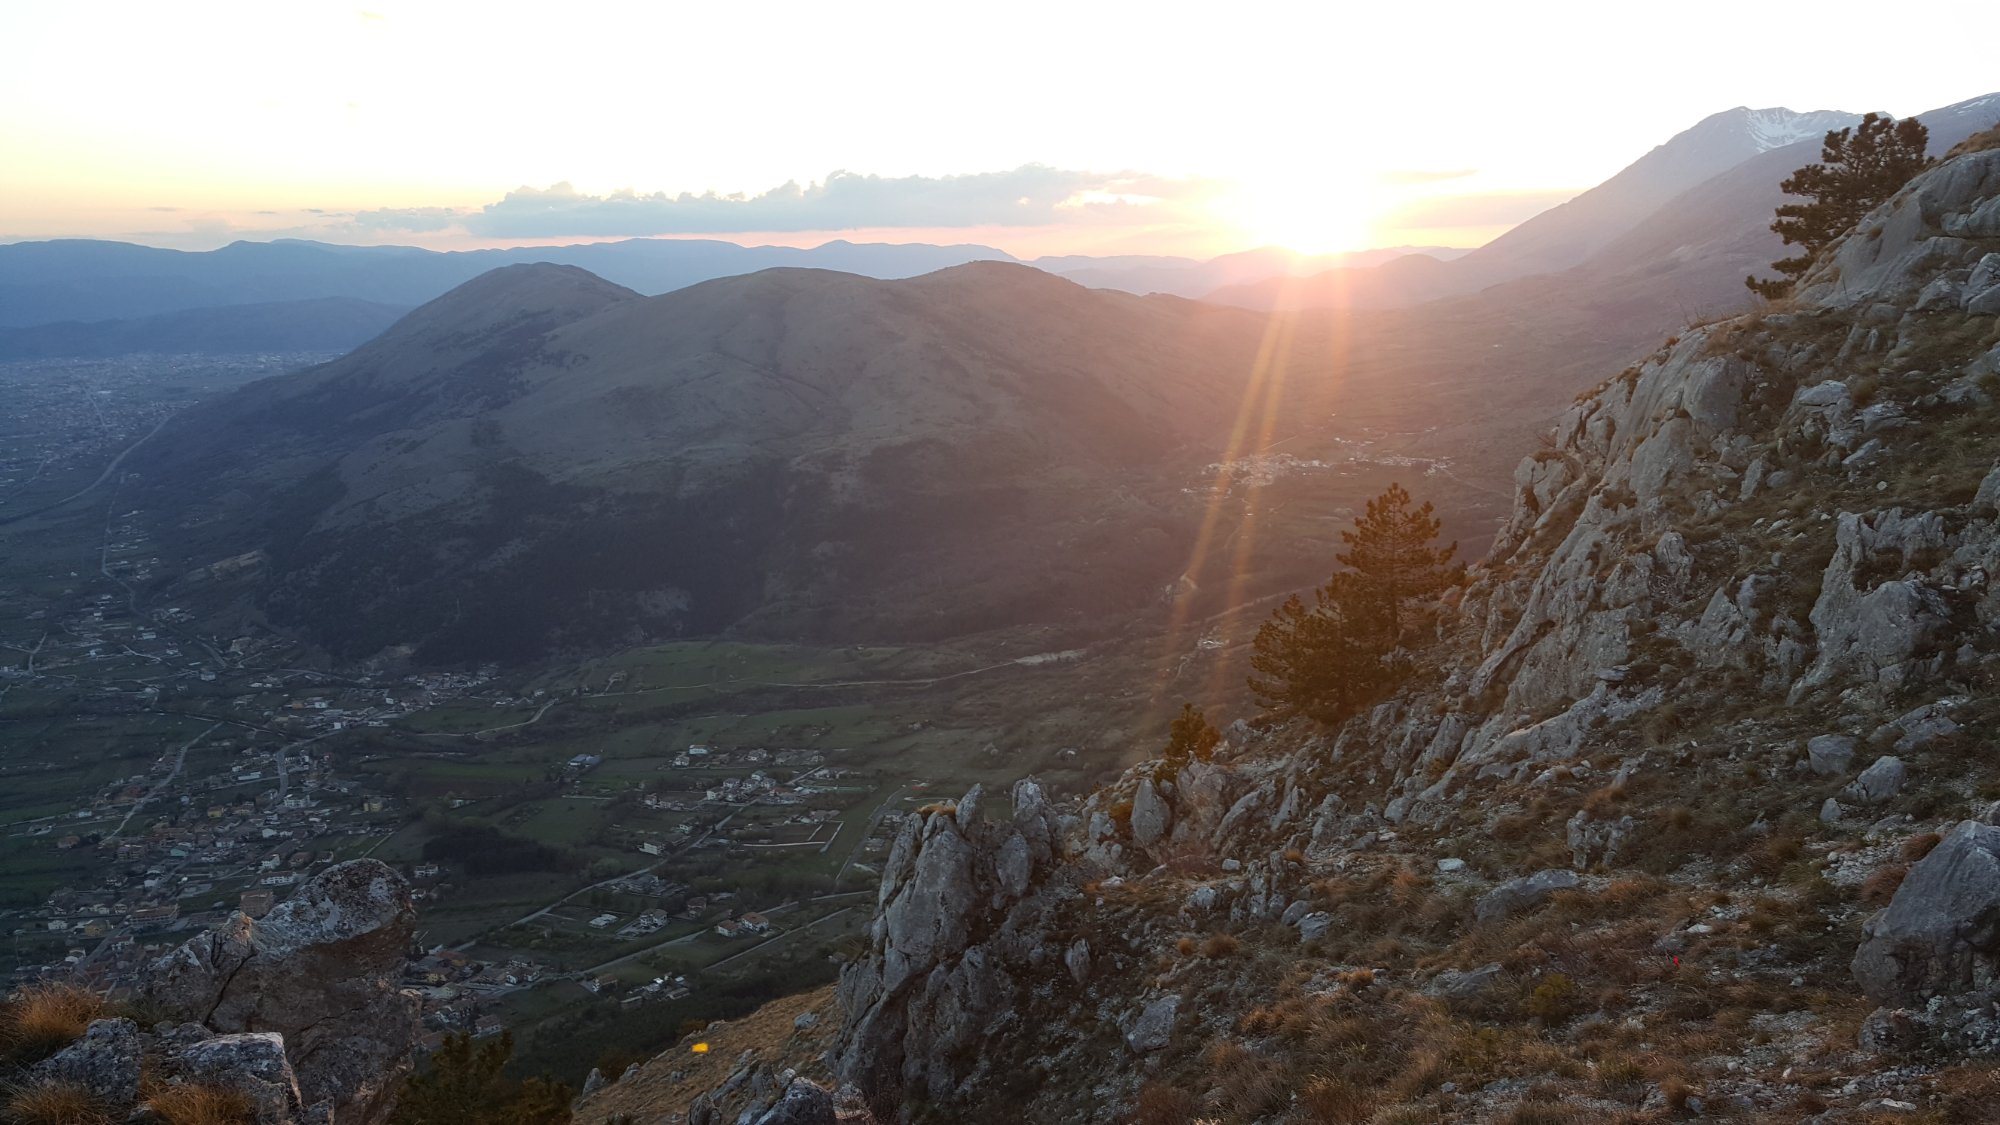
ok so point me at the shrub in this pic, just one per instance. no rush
(1220, 945)
(1552, 1000)
(1164, 1105)
(42, 1019)
(202, 1105)
(1329, 1101)
(55, 1103)
(1881, 886)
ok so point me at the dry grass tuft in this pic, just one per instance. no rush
(42, 1019)
(1220, 945)
(1977, 142)
(202, 1105)
(55, 1103)
(1881, 886)
(1919, 846)
(1164, 1105)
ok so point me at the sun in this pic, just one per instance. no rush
(1309, 217)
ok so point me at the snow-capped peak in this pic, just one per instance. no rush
(1778, 127)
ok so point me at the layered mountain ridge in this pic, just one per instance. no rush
(797, 447)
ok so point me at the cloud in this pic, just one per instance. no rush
(1478, 209)
(1029, 196)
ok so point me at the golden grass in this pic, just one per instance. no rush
(55, 1103)
(202, 1105)
(42, 1019)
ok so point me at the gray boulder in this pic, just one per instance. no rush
(1154, 1027)
(105, 1062)
(1470, 984)
(1314, 926)
(1941, 932)
(1151, 818)
(1077, 960)
(805, 1102)
(1829, 754)
(1523, 893)
(1879, 782)
(1923, 726)
(253, 1064)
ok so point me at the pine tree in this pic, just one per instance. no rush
(1328, 660)
(1392, 559)
(1859, 169)
(1191, 738)
(1318, 661)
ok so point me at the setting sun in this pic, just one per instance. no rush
(1311, 217)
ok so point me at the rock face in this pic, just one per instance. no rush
(951, 921)
(1941, 932)
(320, 972)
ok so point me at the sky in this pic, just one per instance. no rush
(1036, 128)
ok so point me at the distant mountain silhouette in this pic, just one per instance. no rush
(326, 324)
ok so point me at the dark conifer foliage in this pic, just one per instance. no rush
(1859, 169)
(1329, 659)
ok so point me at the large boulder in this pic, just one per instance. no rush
(1151, 818)
(322, 971)
(105, 1062)
(1524, 893)
(1941, 932)
(253, 1064)
(1153, 1028)
(1829, 754)
(1879, 782)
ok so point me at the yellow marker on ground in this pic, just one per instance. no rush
(699, 1048)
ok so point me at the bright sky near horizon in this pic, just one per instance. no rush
(1036, 127)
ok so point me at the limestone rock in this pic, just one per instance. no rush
(252, 1063)
(1154, 1026)
(1077, 960)
(1314, 926)
(1941, 931)
(804, 1102)
(1469, 984)
(1923, 726)
(1829, 754)
(1523, 893)
(1879, 782)
(105, 1061)
(1151, 818)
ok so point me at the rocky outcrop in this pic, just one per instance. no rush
(320, 973)
(1941, 932)
(958, 916)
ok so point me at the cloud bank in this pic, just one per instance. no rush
(1032, 195)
